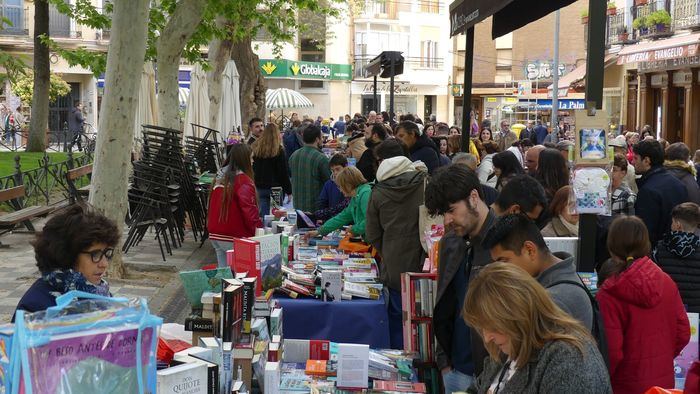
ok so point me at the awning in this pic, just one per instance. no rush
(579, 73)
(508, 15)
(669, 48)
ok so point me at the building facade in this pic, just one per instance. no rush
(512, 73)
(17, 40)
(419, 30)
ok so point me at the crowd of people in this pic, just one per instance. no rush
(511, 315)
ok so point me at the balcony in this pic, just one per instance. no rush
(686, 14)
(410, 63)
(642, 29)
(617, 31)
(60, 25)
(17, 16)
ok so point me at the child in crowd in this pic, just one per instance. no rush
(330, 194)
(678, 254)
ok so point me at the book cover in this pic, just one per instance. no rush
(246, 259)
(245, 365)
(212, 370)
(197, 282)
(332, 285)
(259, 328)
(188, 377)
(273, 352)
(6, 334)
(353, 365)
(276, 321)
(232, 315)
(316, 368)
(399, 387)
(270, 260)
(244, 347)
(196, 351)
(272, 378)
(199, 324)
(688, 355)
(301, 350)
(295, 383)
(249, 285)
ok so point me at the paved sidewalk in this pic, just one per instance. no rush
(148, 275)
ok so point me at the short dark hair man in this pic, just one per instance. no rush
(419, 145)
(659, 191)
(374, 135)
(517, 239)
(255, 129)
(455, 192)
(310, 170)
(677, 156)
(525, 195)
(76, 123)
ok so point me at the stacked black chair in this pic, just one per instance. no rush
(162, 195)
(206, 152)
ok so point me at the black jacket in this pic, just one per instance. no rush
(678, 255)
(425, 150)
(367, 163)
(453, 248)
(272, 172)
(392, 225)
(76, 121)
(659, 192)
(685, 173)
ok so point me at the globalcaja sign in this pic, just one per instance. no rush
(291, 69)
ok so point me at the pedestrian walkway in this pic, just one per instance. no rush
(148, 275)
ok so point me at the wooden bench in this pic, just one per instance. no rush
(75, 193)
(14, 196)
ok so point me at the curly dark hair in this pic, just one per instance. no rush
(69, 232)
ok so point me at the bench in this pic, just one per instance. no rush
(75, 193)
(14, 196)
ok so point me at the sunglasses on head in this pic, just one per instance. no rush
(96, 255)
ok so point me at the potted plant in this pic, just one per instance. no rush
(640, 24)
(640, 2)
(622, 35)
(660, 20)
(612, 10)
(584, 16)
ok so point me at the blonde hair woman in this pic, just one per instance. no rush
(354, 186)
(534, 346)
(270, 166)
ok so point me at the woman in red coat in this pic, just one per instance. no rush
(645, 322)
(233, 204)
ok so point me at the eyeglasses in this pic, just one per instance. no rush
(96, 255)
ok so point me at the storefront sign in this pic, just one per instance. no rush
(283, 68)
(456, 89)
(562, 104)
(384, 87)
(670, 64)
(660, 54)
(543, 70)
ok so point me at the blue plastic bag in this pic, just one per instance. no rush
(86, 344)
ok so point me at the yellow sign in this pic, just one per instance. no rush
(490, 99)
(269, 68)
(511, 100)
(295, 68)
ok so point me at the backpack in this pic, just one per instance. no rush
(598, 328)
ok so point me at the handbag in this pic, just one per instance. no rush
(425, 221)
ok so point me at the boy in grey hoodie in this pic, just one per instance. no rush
(516, 239)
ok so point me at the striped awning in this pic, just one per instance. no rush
(285, 98)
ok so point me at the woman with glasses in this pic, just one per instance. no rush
(72, 252)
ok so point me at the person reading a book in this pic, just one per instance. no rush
(533, 345)
(233, 203)
(72, 253)
(354, 186)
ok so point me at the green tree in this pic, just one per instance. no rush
(24, 88)
(40, 91)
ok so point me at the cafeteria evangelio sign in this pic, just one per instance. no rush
(283, 68)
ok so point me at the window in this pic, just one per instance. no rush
(504, 59)
(429, 6)
(503, 76)
(429, 54)
(310, 52)
(13, 11)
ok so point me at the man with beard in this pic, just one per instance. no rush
(456, 193)
(374, 135)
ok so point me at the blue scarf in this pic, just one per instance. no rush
(65, 281)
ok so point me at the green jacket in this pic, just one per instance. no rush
(354, 214)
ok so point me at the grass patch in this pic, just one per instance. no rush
(28, 160)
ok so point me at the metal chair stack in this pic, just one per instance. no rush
(162, 195)
(206, 152)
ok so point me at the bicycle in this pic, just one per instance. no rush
(85, 139)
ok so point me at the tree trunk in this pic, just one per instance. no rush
(127, 49)
(40, 94)
(219, 54)
(253, 85)
(172, 40)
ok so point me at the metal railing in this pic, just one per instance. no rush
(46, 184)
(686, 14)
(60, 25)
(17, 17)
(649, 32)
(410, 63)
(617, 31)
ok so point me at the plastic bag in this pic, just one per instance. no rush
(86, 344)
